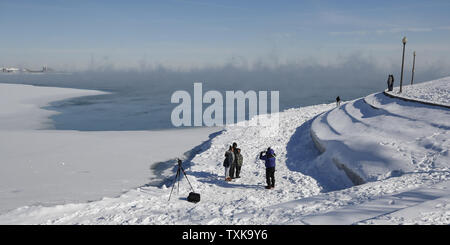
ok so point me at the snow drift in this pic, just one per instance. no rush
(377, 136)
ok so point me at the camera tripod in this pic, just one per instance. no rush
(178, 177)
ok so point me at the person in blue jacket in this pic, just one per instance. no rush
(269, 158)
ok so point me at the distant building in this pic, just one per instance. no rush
(44, 69)
(11, 69)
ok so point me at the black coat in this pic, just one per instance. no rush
(229, 158)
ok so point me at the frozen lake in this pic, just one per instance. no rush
(141, 101)
(48, 167)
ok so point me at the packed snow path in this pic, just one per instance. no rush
(376, 137)
(432, 92)
(403, 168)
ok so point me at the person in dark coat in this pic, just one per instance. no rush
(338, 101)
(390, 82)
(229, 158)
(269, 158)
(239, 161)
(234, 164)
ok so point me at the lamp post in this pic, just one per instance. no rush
(404, 40)
(413, 69)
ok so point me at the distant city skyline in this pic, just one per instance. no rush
(183, 34)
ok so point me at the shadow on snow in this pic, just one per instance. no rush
(302, 156)
(161, 169)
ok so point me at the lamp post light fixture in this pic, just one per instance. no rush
(404, 40)
(413, 69)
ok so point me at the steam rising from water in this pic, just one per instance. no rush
(140, 100)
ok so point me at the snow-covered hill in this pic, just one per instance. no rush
(376, 137)
(434, 91)
(397, 151)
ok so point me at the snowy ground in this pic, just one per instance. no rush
(377, 137)
(47, 167)
(398, 149)
(433, 91)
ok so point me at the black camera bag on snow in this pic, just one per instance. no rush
(193, 197)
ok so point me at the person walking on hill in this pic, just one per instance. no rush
(229, 158)
(234, 164)
(269, 158)
(239, 161)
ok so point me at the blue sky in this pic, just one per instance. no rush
(183, 33)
